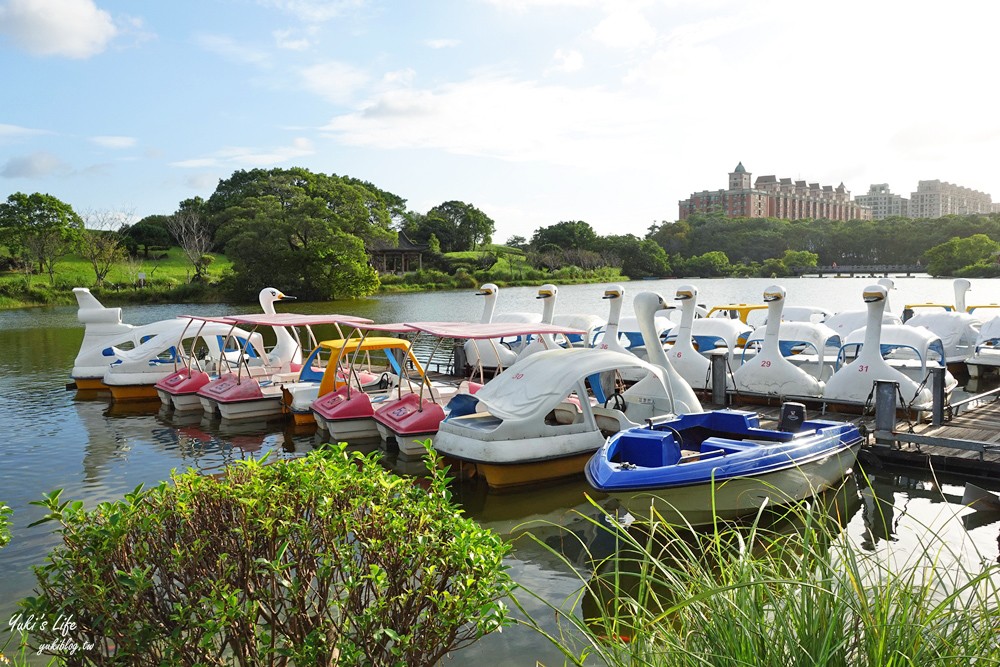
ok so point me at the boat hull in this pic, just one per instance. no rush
(133, 392)
(361, 431)
(504, 477)
(729, 499)
(90, 384)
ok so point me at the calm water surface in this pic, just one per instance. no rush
(96, 451)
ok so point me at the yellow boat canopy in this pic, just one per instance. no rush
(346, 348)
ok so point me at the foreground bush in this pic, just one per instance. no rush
(785, 590)
(5, 513)
(329, 559)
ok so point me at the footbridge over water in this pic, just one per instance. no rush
(873, 270)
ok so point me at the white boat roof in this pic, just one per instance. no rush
(630, 324)
(989, 331)
(297, 319)
(804, 314)
(170, 335)
(814, 333)
(538, 383)
(920, 339)
(477, 330)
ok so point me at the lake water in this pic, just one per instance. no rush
(96, 451)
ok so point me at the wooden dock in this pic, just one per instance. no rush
(967, 442)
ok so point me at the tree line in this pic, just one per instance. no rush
(314, 234)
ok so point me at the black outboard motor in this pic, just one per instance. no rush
(792, 417)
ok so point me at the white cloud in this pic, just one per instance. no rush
(293, 40)
(115, 142)
(442, 43)
(16, 131)
(569, 60)
(230, 49)
(336, 82)
(36, 165)
(202, 182)
(625, 28)
(71, 28)
(501, 118)
(316, 11)
(240, 156)
(526, 5)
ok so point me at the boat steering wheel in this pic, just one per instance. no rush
(383, 382)
(617, 401)
(675, 433)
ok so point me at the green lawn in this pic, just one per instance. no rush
(165, 271)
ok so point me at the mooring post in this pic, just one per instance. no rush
(937, 395)
(885, 409)
(720, 362)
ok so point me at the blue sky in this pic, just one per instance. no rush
(535, 111)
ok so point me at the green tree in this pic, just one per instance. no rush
(356, 207)
(301, 240)
(799, 259)
(40, 228)
(713, 264)
(457, 225)
(636, 258)
(948, 258)
(570, 234)
(517, 241)
(150, 232)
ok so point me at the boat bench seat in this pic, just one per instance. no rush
(480, 421)
(646, 448)
(715, 446)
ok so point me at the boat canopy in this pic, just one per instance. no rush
(343, 348)
(476, 331)
(900, 337)
(297, 320)
(537, 384)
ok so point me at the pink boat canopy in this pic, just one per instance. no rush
(297, 320)
(486, 330)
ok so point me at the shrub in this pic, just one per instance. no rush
(5, 513)
(329, 559)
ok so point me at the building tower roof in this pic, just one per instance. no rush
(739, 169)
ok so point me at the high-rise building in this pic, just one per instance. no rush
(770, 197)
(936, 198)
(883, 203)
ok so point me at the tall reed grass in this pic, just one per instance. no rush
(786, 588)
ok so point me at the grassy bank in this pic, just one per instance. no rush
(168, 280)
